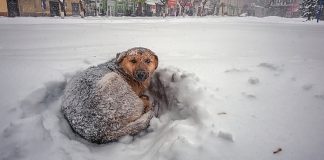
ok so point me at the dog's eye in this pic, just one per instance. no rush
(148, 61)
(133, 61)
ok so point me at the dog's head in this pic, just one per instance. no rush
(138, 63)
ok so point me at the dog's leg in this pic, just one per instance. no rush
(146, 102)
(131, 128)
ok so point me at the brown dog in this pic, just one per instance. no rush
(137, 66)
(106, 102)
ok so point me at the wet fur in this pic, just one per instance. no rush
(129, 68)
(106, 102)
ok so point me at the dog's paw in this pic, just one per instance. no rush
(147, 103)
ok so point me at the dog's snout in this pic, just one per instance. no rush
(141, 75)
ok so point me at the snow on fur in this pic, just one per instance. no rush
(101, 106)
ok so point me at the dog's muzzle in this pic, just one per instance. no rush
(141, 75)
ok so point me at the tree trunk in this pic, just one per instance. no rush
(222, 10)
(308, 17)
(62, 6)
(202, 11)
(139, 9)
(180, 10)
(183, 11)
(82, 9)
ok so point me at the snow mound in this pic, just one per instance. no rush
(254, 80)
(177, 93)
(249, 96)
(226, 136)
(270, 66)
(236, 70)
(307, 87)
(319, 96)
(180, 132)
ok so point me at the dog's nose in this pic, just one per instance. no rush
(141, 75)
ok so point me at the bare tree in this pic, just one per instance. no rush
(62, 6)
(203, 7)
(82, 8)
(214, 6)
(183, 4)
(165, 6)
(139, 10)
(222, 6)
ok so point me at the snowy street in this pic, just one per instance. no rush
(256, 85)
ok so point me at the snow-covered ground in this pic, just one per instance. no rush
(251, 86)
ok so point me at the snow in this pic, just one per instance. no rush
(241, 87)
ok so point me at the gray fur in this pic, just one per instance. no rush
(101, 107)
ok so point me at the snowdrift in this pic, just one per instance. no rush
(42, 127)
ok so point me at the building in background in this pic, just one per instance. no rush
(90, 7)
(150, 7)
(14, 8)
(284, 8)
(233, 7)
(3, 8)
(9, 8)
(258, 8)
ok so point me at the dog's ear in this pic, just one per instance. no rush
(120, 57)
(117, 55)
(156, 60)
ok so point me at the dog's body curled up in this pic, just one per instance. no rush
(106, 102)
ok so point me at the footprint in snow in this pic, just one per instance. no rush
(307, 87)
(271, 67)
(235, 70)
(226, 136)
(253, 80)
(319, 96)
(249, 96)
